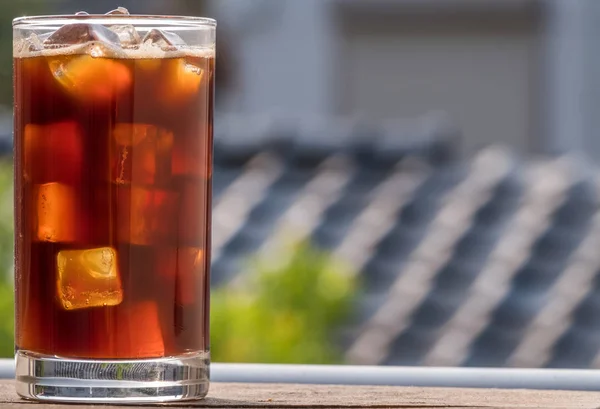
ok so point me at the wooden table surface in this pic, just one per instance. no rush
(232, 395)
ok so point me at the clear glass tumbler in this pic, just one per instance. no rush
(113, 162)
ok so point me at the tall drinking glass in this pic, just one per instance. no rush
(113, 160)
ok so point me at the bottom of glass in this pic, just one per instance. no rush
(54, 378)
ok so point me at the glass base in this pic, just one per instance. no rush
(53, 378)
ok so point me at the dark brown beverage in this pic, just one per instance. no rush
(113, 196)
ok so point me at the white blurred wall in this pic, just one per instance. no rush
(283, 54)
(517, 72)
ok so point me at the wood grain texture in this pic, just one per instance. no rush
(230, 395)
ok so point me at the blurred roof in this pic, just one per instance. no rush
(6, 132)
(487, 262)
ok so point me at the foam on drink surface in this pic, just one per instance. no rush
(144, 51)
(34, 46)
(113, 38)
(87, 59)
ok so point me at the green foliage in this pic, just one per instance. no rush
(6, 260)
(284, 314)
(6, 321)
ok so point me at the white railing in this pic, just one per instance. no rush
(560, 379)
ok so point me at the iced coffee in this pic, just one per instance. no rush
(113, 147)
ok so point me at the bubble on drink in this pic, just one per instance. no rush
(56, 217)
(143, 154)
(88, 278)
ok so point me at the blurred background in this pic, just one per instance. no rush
(397, 182)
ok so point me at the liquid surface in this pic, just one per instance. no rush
(113, 181)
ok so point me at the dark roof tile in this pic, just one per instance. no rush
(544, 241)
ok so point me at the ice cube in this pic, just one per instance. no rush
(166, 40)
(185, 266)
(79, 33)
(184, 80)
(128, 134)
(164, 142)
(31, 44)
(56, 216)
(143, 154)
(145, 216)
(192, 153)
(53, 152)
(88, 278)
(90, 78)
(120, 11)
(128, 35)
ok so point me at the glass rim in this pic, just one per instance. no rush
(145, 19)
